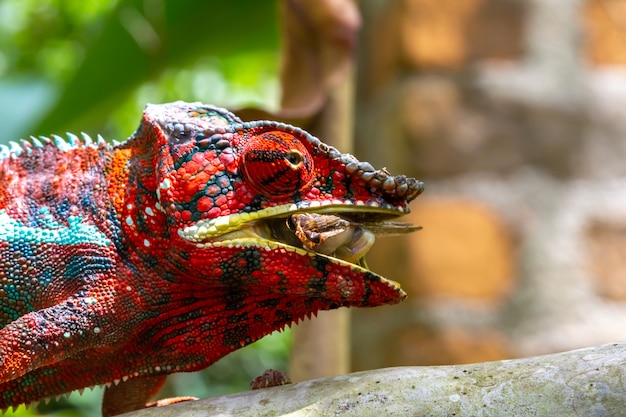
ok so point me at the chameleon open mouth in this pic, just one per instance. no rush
(336, 232)
(343, 237)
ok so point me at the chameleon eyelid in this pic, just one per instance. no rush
(276, 164)
(295, 158)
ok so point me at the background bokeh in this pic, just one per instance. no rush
(511, 111)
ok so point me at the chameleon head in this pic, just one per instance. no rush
(310, 211)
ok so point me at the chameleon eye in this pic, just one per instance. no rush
(276, 164)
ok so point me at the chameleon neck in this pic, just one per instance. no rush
(132, 191)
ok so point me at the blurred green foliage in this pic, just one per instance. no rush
(92, 66)
(72, 65)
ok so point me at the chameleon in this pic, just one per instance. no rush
(123, 263)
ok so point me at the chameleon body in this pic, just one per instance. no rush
(121, 264)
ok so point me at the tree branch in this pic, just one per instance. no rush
(585, 382)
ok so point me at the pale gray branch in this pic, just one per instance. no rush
(585, 382)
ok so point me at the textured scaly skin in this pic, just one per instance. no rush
(130, 262)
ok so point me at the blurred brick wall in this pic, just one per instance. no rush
(513, 112)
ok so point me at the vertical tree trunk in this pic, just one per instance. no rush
(321, 346)
(317, 79)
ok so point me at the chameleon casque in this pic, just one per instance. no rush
(121, 264)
